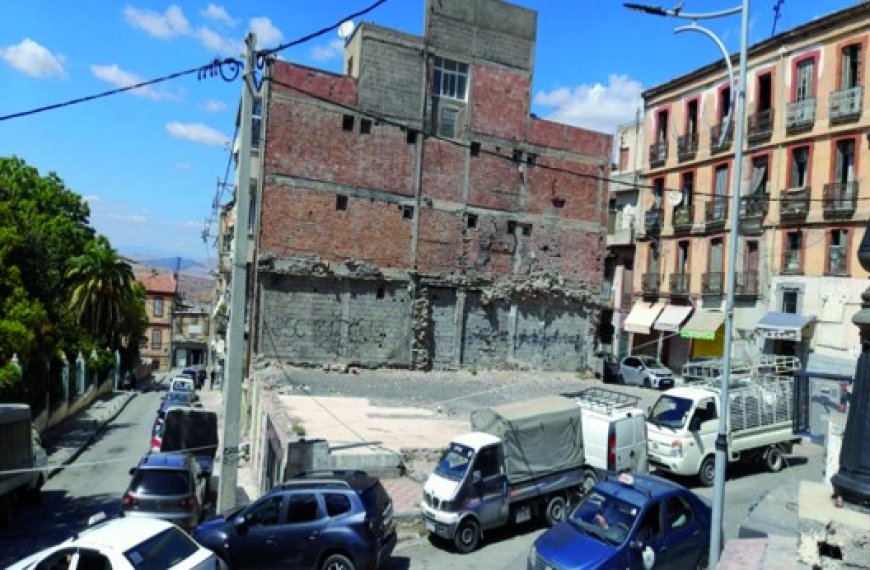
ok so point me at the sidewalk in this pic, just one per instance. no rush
(66, 441)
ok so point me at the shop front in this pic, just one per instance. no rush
(706, 333)
(787, 334)
(673, 349)
(639, 323)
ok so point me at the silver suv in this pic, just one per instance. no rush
(168, 486)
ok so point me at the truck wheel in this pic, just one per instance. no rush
(555, 512)
(774, 460)
(707, 472)
(467, 536)
(590, 478)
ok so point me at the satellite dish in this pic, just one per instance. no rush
(674, 197)
(346, 28)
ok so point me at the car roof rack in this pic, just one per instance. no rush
(603, 399)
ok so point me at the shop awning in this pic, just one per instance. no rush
(703, 325)
(673, 317)
(642, 317)
(785, 326)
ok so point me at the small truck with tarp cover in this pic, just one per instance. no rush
(192, 430)
(22, 460)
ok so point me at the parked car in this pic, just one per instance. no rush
(124, 544)
(175, 400)
(646, 371)
(182, 384)
(627, 522)
(321, 520)
(168, 486)
(157, 434)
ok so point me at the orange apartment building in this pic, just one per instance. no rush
(805, 200)
(160, 294)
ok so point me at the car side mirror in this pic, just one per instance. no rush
(132, 470)
(241, 523)
(475, 477)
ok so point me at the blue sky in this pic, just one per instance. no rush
(148, 161)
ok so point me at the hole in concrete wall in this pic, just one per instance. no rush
(475, 148)
(380, 293)
(527, 229)
(347, 122)
(411, 137)
(365, 126)
(532, 159)
(512, 227)
(471, 221)
(830, 551)
(518, 156)
(408, 212)
(559, 202)
(341, 203)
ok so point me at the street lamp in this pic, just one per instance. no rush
(740, 105)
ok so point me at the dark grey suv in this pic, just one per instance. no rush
(335, 520)
(168, 486)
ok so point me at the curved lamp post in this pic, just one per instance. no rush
(740, 100)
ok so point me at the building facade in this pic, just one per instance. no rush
(191, 331)
(805, 200)
(160, 297)
(411, 212)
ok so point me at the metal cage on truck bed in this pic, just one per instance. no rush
(761, 402)
(710, 370)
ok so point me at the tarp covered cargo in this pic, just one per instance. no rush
(15, 438)
(189, 429)
(540, 436)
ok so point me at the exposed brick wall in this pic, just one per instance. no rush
(494, 182)
(439, 244)
(499, 101)
(443, 168)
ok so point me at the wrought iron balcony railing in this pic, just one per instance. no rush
(684, 217)
(795, 203)
(687, 146)
(841, 199)
(800, 115)
(792, 262)
(716, 212)
(713, 284)
(650, 283)
(837, 261)
(746, 284)
(845, 105)
(760, 126)
(653, 221)
(658, 153)
(717, 143)
(679, 284)
(754, 205)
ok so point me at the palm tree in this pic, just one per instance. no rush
(103, 291)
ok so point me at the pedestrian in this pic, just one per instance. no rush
(211, 380)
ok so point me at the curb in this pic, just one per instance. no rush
(100, 428)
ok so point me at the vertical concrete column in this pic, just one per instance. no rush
(459, 327)
(344, 350)
(512, 331)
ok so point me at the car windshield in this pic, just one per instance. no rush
(650, 362)
(182, 386)
(670, 411)
(162, 551)
(454, 461)
(177, 398)
(160, 482)
(604, 517)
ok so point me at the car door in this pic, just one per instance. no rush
(491, 489)
(631, 370)
(650, 533)
(684, 536)
(301, 537)
(255, 544)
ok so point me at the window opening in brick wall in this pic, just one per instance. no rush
(527, 229)
(411, 136)
(475, 148)
(341, 203)
(347, 122)
(792, 257)
(408, 212)
(450, 79)
(365, 126)
(559, 202)
(511, 227)
(380, 293)
(518, 156)
(531, 159)
(471, 221)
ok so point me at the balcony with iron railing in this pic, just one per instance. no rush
(687, 146)
(679, 284)
(746, 284)
(794, 204)
(650, 284)
(841, 199)
(837, 261)
(792, 262)
(658, 153)
(717, 143)
(753, 209)
(715, 213)
(683, 219)
(760, 126)
(845, 105)
(713, 284)
(800, 115)
(652, 221)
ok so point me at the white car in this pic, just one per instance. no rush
(646, 371)
(124, 544)
(182, 384)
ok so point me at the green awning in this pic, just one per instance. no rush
(703, 325)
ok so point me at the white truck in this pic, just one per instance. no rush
(683, 424)
(530, 458)
(21, 460)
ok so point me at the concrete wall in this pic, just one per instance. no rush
(390, 72)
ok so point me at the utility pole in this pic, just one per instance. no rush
(232, 380)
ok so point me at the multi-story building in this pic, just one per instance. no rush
(160, 296)
(190, 335)
(412, 212)
(803, 207)
(622, 223)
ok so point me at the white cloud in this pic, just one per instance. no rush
(33, 59)
(334, 49)
(219, 14)
(126, 218)
(214, 41)
(197, 132)
(163, 26)
(122, 78)
(215, 106)
(182, 165)
(597, 107)
(267, 34)
(91, 198)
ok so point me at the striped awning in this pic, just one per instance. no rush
(642, 316)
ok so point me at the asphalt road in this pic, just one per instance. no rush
(93, 483)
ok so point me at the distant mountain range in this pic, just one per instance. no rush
(195, 280)
(183, 265)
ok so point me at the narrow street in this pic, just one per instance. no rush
(93, 483)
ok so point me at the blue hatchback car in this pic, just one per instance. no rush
(337, 520)
(634, 521)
